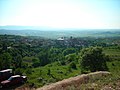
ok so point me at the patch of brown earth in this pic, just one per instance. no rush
(74, 81)
(115, 86)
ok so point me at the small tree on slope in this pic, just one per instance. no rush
(93, 59)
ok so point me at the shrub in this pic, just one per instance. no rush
(93, 59)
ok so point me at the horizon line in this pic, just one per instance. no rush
(48, 28)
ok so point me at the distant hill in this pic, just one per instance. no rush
(15, 27)
(46, 32)
(8, 27)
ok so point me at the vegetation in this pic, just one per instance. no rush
(46, 61)
(93, 59)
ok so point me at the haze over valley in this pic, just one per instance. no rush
(57, 33)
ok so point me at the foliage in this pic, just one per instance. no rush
(45, 61)
(93, 59)
(5, 60)
(18, 71)
(69, 51)
(73, 65)
(36, 62)
(28, 71)
(71, 57)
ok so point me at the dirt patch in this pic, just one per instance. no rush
(25, 87)
(74, 81)
(112, 86)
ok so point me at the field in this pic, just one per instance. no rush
(113, 53)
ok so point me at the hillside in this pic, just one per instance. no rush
(55, 34)
(49, 61)
(75, 82)
(91, 81)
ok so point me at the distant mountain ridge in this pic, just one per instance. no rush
(15, 27)
(53, 33)
(57, 34)
(10, 27)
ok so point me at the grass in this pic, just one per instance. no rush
(112, 53)
(111, 81)
(41, 75)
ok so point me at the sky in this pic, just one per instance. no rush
(79, 14)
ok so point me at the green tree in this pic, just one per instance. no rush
(5, 60)
(54, 54)
(49, 72)
(4, 46)
(93, 59)
(71, 57)
(29, 71)
(43, 57)
(18, 61)
(18, 71)
(36, 62)
(1, 64)
(69, 51)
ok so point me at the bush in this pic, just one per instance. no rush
(73, 65)
(29, 71)
(18, 71)
(93, 59)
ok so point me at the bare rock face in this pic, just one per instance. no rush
(74, 81)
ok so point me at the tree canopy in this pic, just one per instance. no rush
(93, 59)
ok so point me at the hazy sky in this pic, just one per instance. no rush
(61, 13)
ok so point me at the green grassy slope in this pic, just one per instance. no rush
(55, 72)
